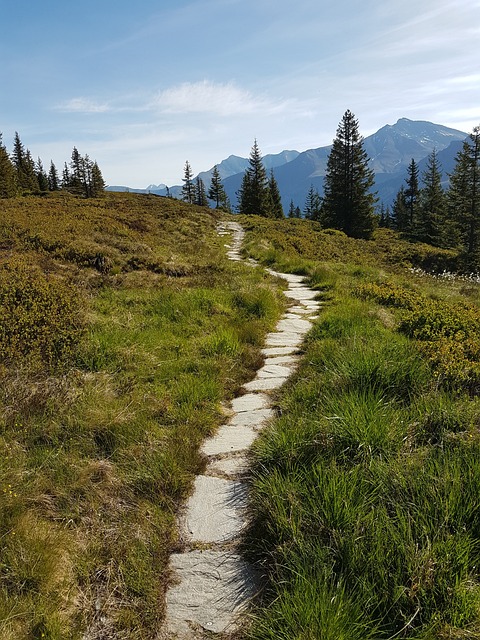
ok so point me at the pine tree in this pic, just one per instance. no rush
(412, 194)
(464, 198)
(53, 179)
(291, 210)
(400, 213)
(97, 181)
(25, 167)
(41, 176)
(313, 204)
(348, 202)
(188, 189)
(8, 183)
(431, 203)
(78, 179)
(276, 208)
(66, 178)
(253, 197)
(200, 193)
(216, 191)
(298, 212)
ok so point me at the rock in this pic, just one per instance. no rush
(250, 402)
(229, 439)
(215, 511)
(213, 588)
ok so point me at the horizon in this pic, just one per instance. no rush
(142, 89)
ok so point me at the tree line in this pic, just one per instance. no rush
(21, 175)
(423, 210)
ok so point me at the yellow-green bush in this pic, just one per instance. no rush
(39, 315)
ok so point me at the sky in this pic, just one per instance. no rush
(143, 86)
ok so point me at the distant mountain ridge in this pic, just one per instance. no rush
(390, 150)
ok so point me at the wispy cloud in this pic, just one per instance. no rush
(83, 105)
(213, 98)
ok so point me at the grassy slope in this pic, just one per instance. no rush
(122, 329)
(365, 509)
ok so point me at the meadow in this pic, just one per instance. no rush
(365, 492)
(123, 327)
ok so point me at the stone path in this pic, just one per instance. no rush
(212, 583)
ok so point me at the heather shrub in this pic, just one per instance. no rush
(39, 315)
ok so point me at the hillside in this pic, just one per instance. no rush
(123, 327)
(364, 489)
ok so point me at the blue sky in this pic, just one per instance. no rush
(144, 86)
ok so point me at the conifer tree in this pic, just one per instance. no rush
(400, 214)
(41, 176)
(188, 188)
(276, 208)
(8, 184)
(298, 212)
(431, 203)
(412, 193)
(200, 193)
(216, 191)
(53, 179)
(348, 202)
(65, 177)
(25, 167)
(253, 197)
(291, 209)
(97, 182)
(464, 198)
(313, 203)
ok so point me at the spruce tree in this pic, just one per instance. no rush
(400, 213)
(348, 202)
(25, 167)
(464, 199)
(291, 210)
(41, 176)
(97, 181)
(313, 203)
(53, 179)
(276, 208)
(200, 193)
(253, 197)
(432, 203)
(188, 188)
(412, 194)
(8, 180)
(216, 191)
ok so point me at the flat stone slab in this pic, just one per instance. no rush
(232, 467)
(250, 402)
(251, 418)
(284, 339)
(273, 371)
(289, 277)
(294, 324)
(301, 294)
(229, 439)
(265, 384)
(288, 359)
(214, 588)
(279, 351)
(215, 511)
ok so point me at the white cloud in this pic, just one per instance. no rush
(83, 105)
(216, 99)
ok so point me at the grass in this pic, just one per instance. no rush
(364, 492)
(145, 329)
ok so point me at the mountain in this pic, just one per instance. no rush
(390, 150)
